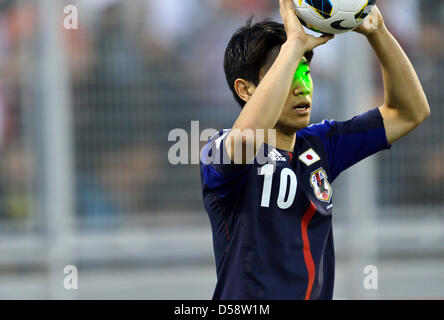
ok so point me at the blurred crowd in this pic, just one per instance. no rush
(139, 69)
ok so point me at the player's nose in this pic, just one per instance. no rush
(301, 89)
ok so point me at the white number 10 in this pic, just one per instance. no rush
(267, 171)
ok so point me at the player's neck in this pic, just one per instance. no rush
(284, 140)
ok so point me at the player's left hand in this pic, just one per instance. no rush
(372, 24)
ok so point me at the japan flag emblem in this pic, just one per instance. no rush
(309, 157)
(320, 185)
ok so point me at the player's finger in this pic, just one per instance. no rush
(291, 21)
(319, 41)
(282, 6)
(286, 8)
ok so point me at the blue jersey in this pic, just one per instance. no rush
(272, 223)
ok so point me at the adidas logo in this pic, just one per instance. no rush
(274, 155)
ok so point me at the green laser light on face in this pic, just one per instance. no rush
(303, 79)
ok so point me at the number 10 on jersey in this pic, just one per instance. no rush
(286, 175)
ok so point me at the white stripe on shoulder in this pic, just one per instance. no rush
(323, 122)
(219, 140)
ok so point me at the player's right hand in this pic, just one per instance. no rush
(294, 29)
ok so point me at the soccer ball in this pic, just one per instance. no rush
(332, 16)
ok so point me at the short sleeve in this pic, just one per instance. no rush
(218, 172)
(348, 142)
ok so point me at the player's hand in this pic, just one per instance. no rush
(294, 29)
(372, 24)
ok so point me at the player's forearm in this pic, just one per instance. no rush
(265, 106)
(403, 90)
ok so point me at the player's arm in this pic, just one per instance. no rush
(266, 102)
(405, 106)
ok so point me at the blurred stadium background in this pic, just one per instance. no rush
(84, 174)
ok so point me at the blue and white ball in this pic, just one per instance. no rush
(333, 16)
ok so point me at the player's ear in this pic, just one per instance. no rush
(244, 89)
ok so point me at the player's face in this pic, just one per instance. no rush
(297, 110)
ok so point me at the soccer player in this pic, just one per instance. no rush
(272, 222)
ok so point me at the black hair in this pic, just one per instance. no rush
(248, 51)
